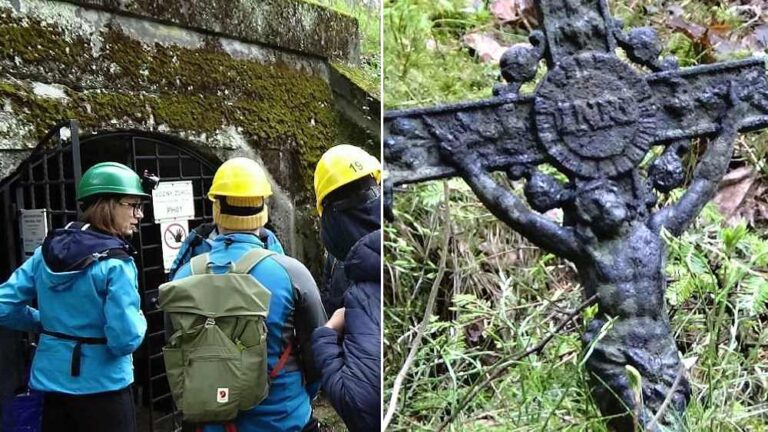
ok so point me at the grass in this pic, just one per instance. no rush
(500, 295)
(368, 15)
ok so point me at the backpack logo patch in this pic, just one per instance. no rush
(222, 395)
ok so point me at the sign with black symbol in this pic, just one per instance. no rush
(173, 235)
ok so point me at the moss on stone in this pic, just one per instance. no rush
(190, 91)
(351, 133)
(39, 113)
(358, 77)
(33, 41)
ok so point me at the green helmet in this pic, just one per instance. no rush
(109, 178)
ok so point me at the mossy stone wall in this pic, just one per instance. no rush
(224, 96)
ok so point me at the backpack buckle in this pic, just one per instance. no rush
(210, 322)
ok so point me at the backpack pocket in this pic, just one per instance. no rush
(212, 378)
(174, 371)
(254, 362)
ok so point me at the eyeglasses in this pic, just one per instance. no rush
(138, 207)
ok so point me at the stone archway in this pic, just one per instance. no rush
(46, 181)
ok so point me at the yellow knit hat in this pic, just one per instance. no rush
(238, 223)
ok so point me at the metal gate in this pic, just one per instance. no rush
(47, 179)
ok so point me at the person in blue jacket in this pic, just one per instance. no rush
(85, 283)
(239, 191)
(200, 241)
(348, 348)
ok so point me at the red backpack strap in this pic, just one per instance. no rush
(281, 361)
(228, 427)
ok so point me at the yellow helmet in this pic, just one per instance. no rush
(342, 165)
(241, 182)
(240, 177)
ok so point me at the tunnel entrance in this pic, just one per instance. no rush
(45, 184)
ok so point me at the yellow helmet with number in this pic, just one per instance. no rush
(341, 165)
(238, 192)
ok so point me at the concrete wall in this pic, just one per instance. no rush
(232, 78)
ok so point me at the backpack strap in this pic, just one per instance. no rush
(281, 361)
(244, 266)
(249, 260)
(199, 264)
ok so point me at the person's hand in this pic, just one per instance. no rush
(337, 321)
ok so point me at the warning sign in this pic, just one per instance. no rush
(34, 227)
(173, 201)
(173, 235)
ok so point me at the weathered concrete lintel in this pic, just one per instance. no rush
(291, 25)
(356, 103)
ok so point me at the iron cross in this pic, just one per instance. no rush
(594, 117)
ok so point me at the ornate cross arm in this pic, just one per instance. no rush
(711, 168)
(502, 130)
(503, 203)
(572, 26)
(498, 130)
(693, 100)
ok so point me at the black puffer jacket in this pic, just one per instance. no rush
(351, 363)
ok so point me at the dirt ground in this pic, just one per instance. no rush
(325, 414)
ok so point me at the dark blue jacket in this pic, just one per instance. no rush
(334, 285)
(351, 363)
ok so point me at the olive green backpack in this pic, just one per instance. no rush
(216, 358)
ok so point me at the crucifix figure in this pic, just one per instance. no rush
(594, 118)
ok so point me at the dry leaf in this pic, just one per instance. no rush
(510, 11)
(485, 46)
(757, 41)
(692, 30)
(733, 192)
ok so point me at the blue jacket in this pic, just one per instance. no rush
(295, 311)
(100, 300)
(200, 241)
(351, 363)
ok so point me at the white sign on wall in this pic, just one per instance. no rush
(172, 235)
(173, 201)
(34, 227)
